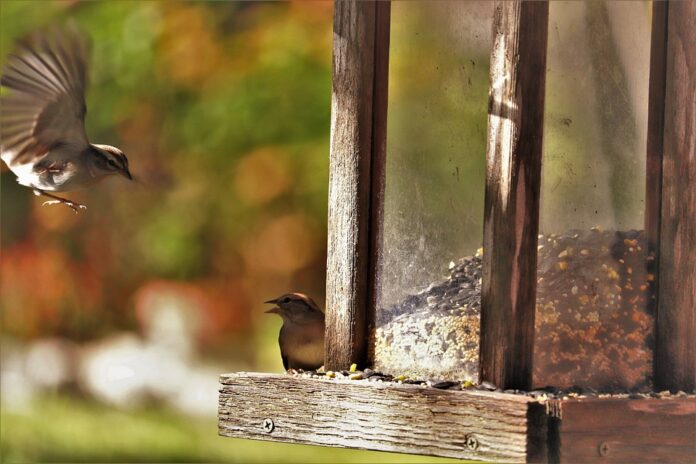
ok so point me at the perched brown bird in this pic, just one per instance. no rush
(301, 337)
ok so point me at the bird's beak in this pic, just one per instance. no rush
(275, 310)
(126, 173)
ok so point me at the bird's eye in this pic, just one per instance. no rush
(112, 164)
(286, 299)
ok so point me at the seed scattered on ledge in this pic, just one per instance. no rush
(442, 384)
(486, 385)
(539, 393)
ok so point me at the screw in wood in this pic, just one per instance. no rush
(603, 449)
(268, 425)
(471, 442)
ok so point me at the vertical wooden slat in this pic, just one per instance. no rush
(654, 148)
(350, 183)
(513, 177)
(675, 352)
(379, 152)
(656, 125)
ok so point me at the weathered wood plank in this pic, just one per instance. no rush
(623, 430)
(675, 355)
(513, 178)
(382, 416)
(350, 183)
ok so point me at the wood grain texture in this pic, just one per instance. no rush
(383, 417)
(624, 430)
(675, 356)
(350, 183)
(513, 178)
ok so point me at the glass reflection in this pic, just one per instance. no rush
(426, 315)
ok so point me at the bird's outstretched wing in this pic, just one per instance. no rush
(45, 104)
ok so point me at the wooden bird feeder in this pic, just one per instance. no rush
(608, 317)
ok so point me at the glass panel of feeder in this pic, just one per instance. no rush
(428, 273)
(593, 322)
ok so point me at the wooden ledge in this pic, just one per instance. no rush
(383, 416)
(467, 424)
(620, 430)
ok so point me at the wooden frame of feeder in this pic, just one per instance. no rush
(475, 424)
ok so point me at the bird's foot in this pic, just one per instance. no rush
(76, 207)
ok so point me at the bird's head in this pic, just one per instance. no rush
(296, 307)
(111, 160)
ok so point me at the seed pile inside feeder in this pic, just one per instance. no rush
(592, 324)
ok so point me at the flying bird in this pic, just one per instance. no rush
(42, 118)
(301, 337)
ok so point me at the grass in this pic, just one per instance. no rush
(61, 428)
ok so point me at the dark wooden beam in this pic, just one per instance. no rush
(656, 129)
(513, 178)
(358, 107)
(675, 352)
(625, 430)
(654, 151)
(379, 153)
(383, 416)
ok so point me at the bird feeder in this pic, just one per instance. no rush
(542, 310)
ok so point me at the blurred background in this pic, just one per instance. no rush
(117, 322)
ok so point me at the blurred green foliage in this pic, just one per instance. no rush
(89, 432)
(223, 109)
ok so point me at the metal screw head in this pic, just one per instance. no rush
(268, 425)
(471, 442)
(603, 449)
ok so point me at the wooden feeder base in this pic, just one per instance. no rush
(466, 424)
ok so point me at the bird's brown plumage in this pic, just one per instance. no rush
(47, 76)
(301, 337)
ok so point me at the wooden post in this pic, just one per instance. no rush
(513, 178)
(675, 351)
(656, 127)
(654, 148)
(353, 135)
(379, 153)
